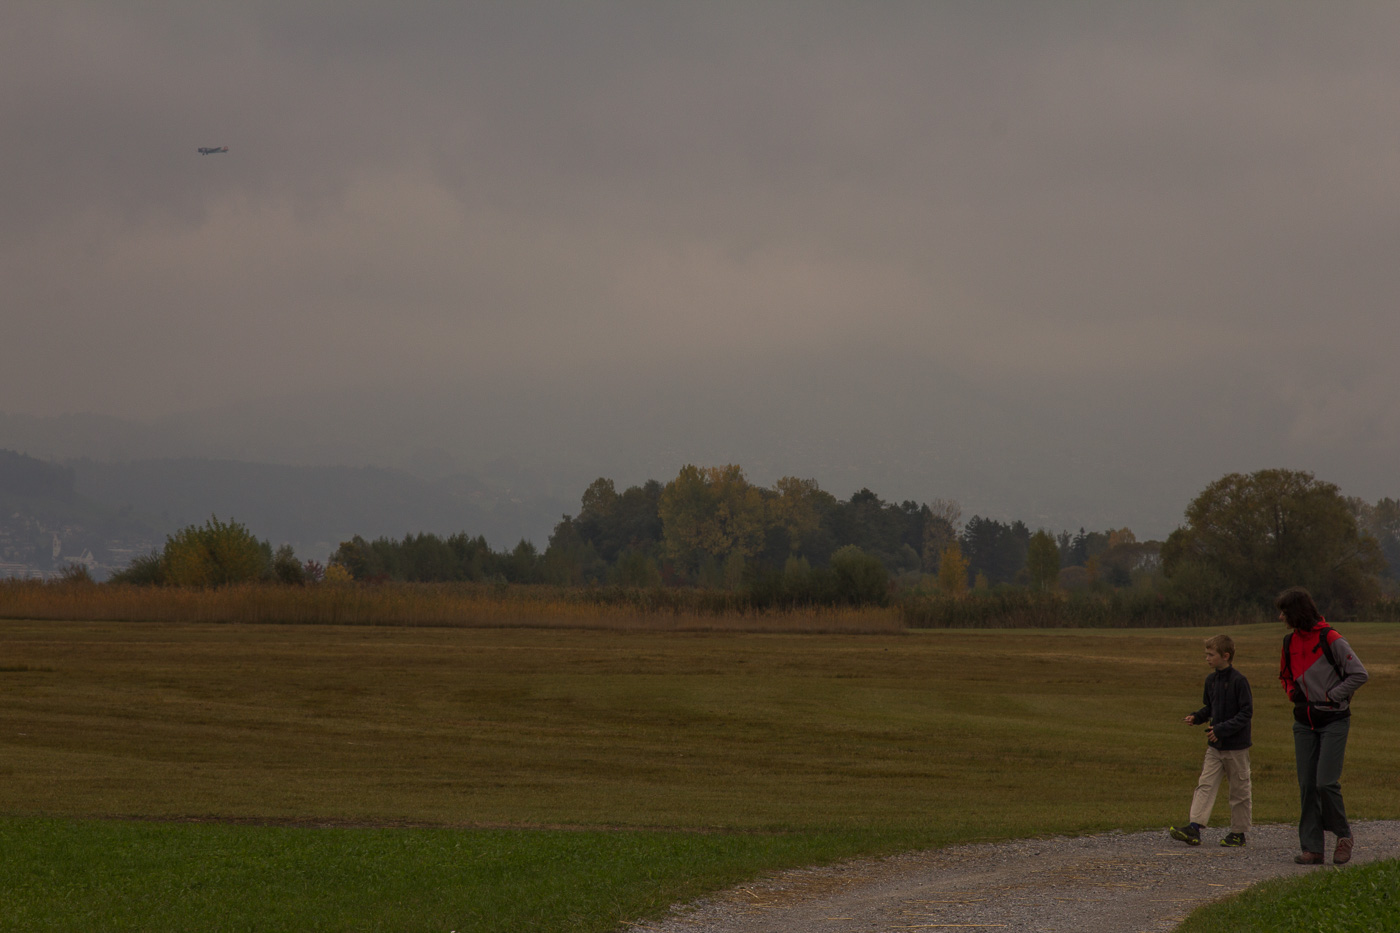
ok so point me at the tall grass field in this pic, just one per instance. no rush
(178, 775)
(465, 605)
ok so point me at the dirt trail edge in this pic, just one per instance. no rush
(1111, 883)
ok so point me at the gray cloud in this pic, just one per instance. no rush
(1167, 229)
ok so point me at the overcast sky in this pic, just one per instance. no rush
(911, 241)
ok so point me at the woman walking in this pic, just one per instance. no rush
(1319, 672)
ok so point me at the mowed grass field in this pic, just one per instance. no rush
(763, 750)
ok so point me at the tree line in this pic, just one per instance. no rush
(709, 527)
(1245, 537)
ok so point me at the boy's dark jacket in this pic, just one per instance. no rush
(1229, 708)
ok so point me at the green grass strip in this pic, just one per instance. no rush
(119, 876)
(1359, 899)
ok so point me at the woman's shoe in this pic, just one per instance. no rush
(1342, 854)
(1309, 858)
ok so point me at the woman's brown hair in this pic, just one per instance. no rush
(1298, 608)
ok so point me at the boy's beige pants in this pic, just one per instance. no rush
(1233, 765)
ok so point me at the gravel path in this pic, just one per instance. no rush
(1113, 883)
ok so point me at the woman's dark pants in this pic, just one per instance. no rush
(1320, 752)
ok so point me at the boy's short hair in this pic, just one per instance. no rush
(1222, 645)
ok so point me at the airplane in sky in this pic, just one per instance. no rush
(211, 151)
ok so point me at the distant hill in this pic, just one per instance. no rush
(24, 478)
(178, 470)
(315, 508)
(46, 524)
(115, 510)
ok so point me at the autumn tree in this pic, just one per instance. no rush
(709, 513)
(1272, 529)
(214, 554)
(802, 510)
(1125, 555)
(940, 530)
(952, 571)
(1043, 561)
(938, 534)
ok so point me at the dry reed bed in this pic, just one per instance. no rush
(437, 605)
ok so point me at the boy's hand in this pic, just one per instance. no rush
(1210, 734)
(1190, 719)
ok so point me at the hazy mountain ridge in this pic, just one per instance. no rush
(46, 524)
(180, 469)
(506, 459)
(313, 508)
(477, 459)
(112, 511)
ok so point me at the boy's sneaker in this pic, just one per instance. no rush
(1233, 840)
(1189, 834)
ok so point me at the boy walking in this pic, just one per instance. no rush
(1229, 706)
